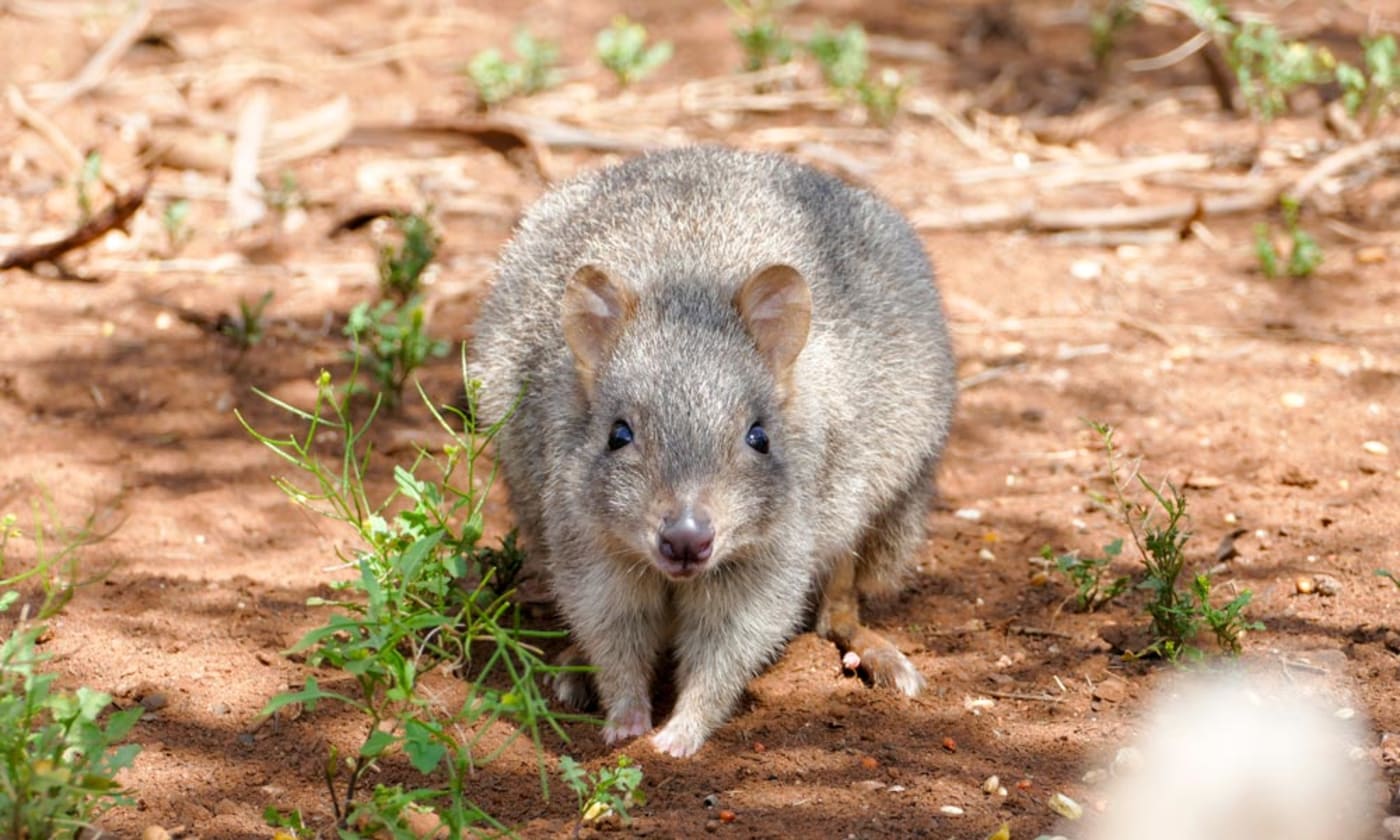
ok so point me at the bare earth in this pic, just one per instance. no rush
(1258, 395)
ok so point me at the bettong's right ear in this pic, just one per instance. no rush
(596, 310)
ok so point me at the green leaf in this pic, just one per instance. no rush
(423, 751)
(377, 742)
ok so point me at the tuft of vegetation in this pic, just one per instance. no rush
(1304, 253)
(610, 791)
(1373, 90)
(391, 341)
(401, 269)
(246, 328)
(844, 57)
(59, 754)
(1091, 590)
(1159, 531)
(421, 600)
(1106, 24)
(1268, 68)
(623, 49)
(760, 32)
(497, 79)
(89, 174)
(175, 221)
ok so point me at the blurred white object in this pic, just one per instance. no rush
(1240, 757)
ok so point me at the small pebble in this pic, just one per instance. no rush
(950, 745)
(727, 816)
(710, 801)
(1305, 585)
(1096, 776)
(895, 788)
(1086, 269)
(869, 762)
(986, 555)
(970, 514)
(951, 811)
(991, 784)
(1065, 807)
(1293, 399)
(850, 661)
(154, 701)
(155, 832)
(868, 785)
(1375, 447)
(220, 709)
(1345, 713)
(1328, 585)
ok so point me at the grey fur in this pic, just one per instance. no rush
(854, 440)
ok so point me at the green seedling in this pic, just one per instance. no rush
(1107, 23)
(844, 57)
(760, 32)
(881, 96)
(497, 79)
(1374, 91)
(289, 824)
(175, 221)
(623, 49)
(401, 269)
(1159, 531)
(1091, 591)
(390, 340)
(1268, 68)
(1304, 253)
(287, 196)
(89, 174)
(1389, 575)
(59, 752)
(420, 600)
(611, 790)
(246, 328)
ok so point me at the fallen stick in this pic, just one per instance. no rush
(100, 65)
(114, 216)
(1340, 161)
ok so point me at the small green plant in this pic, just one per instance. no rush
(1227, 623)
(1389, 575)
(844, 57)
(1091, 591)
(58, 756)
(611, 790)
(623, 49)
(175, 221)
(1304, 254)
(882, 95)
(497, 79)
(760, 32)
(1372, 91)
(1106, 24)
(1159, 532)
(287, 195)
(289, 824)
(390, 339)
(420, 600)
(1268, 68)
(401, 269)
(246, 328)
(89, 174)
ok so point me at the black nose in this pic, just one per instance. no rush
(687, 539)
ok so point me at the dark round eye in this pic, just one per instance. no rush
(757, 439)
(621, 435)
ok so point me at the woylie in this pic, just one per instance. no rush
(734, 383)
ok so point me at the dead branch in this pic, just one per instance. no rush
(513, 139)
(1340, 161)
(113, 217)
(105, 59)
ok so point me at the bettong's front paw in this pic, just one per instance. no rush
(680, 738)
(627, 721)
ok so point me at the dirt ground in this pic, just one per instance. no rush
(1276, 403)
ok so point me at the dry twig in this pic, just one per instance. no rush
(114, 216)
(105, 59)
